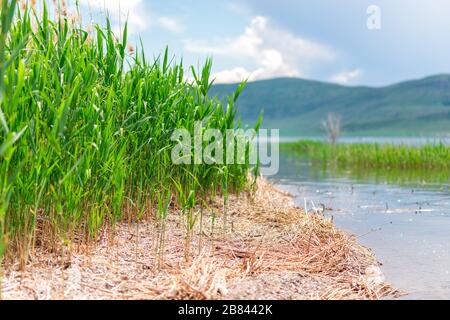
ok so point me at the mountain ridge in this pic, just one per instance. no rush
(298, 106)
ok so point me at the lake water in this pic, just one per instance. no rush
(404, 217)
(391, 140)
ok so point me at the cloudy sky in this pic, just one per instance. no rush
(325, 40)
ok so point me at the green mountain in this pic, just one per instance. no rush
(298, 106)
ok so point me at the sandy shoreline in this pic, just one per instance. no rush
(270, 249)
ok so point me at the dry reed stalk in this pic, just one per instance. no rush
(270, 236)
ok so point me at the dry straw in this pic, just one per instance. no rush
(270, 238)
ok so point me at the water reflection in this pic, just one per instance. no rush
(292, 165)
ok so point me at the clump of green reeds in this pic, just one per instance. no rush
(373, 155)
(86, 127)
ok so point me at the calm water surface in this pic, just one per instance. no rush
(391, 140)
(404, 217)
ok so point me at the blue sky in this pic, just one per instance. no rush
(325, 40)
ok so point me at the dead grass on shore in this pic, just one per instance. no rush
(265, 234)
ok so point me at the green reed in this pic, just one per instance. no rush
(373, 155)
(86, 130)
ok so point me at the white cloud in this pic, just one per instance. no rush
(232, 75)
(132, 11)
(238, 7)
(346, 77)
(170, 24)
(274, 51)
(135, 12)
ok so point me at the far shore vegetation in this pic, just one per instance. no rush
(374, 155)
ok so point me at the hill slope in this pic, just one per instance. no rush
(298, 106)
